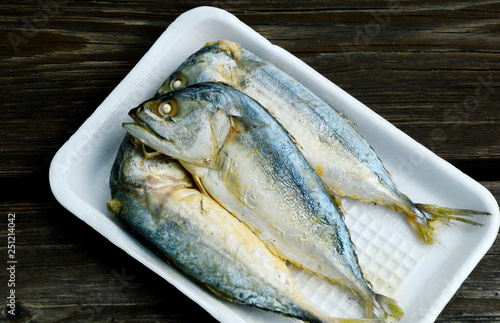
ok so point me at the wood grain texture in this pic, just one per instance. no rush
(432, 68)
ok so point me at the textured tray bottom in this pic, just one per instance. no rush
(388, 252)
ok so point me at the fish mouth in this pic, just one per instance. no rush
(141, 130)
(135, 115)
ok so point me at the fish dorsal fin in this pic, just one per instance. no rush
(249, 65)
(243, 124)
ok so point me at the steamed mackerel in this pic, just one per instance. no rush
(240, 156)
(332, 145)
(158, 199)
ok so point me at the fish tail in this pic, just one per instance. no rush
(384, 307)
(427, 218)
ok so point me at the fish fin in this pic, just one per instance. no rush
(452, 214)
(114, 206)
(232, 48)
(388, 305)
(199, 184)
(245, 124)
(436, 216)
(219, 138)
(250, 64)
(150, 154)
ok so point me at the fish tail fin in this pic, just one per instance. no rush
(433, 216)
(384, 307)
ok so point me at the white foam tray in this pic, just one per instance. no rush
(422, 278)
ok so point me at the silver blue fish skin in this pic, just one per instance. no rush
(158, 200)
(243, 158)
(330, 142)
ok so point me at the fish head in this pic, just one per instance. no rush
(189, 124)
(210, 64)
(139, 181)
(136, 170)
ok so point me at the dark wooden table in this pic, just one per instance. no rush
(432, 68)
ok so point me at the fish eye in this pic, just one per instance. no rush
(164, 108)
(178, 82)
(167, 108)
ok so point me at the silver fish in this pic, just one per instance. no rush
(329, 141)
(157, 198)
(240, 156)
